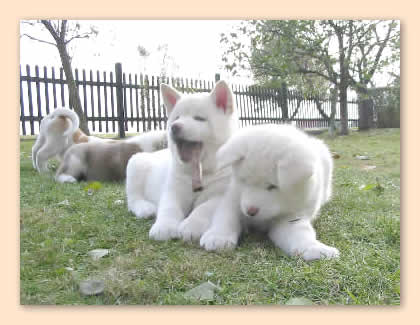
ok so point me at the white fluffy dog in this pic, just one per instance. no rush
(183, 180)
(281, 177)
(59, 130)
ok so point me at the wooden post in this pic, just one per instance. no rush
(120, 99)
(283, 101)
(365, 113)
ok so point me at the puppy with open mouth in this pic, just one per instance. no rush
(181, 186)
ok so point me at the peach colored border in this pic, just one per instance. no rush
(13, 313)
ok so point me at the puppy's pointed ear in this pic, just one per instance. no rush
(292, 171)
(222, 96)
(229, 154)
(170, 97)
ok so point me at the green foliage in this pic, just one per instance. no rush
(312, 53)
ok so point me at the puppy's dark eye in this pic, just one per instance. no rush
(199, 118)
(271, 187)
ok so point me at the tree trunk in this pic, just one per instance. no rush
(343, 109)
(73, 91)
(333, 98)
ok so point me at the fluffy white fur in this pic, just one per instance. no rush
(59, 130)
(281, 177)
(161, 183)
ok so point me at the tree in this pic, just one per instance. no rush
(144, 54)
(63, 33)
(344, 53)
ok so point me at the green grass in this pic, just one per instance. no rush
(362, 221)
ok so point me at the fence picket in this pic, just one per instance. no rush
(254, 104)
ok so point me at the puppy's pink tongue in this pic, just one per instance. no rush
(196, 171)
(191, 152)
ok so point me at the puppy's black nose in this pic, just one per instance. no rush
(252, 211)
(175, 129)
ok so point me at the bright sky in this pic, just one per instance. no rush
(193, 47)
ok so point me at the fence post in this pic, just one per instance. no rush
(365, 113)
(217, 77)
(283, 102)
(120, 99)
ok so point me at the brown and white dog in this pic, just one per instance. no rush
(59, 130)
(106, 160)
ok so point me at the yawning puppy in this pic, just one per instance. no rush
(106, 160)
(182, 183)
(59, 130)
(280, 179)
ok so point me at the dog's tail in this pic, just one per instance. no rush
(71, 115)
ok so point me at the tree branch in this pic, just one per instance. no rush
(36, 39)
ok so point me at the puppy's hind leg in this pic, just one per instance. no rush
(40, 140)
(137, 169)
(46, 152)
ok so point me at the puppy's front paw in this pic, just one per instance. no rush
(318, 251)
(142, 209)
(63, 178)
(164, 230)
(191, 229)
(212, 241)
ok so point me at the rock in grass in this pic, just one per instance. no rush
(204, 291)
(299, 301)
(92, 287)
(96, 254)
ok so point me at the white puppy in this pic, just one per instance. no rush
(59, 130)
(281, 177)
(182, 181)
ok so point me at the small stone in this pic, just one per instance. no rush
(96, 254)
(335, 155)
(119, 202)
(92, 287)
(204, 291)
(89, 191)
(68, 268)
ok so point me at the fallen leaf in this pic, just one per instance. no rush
(92, 287)
(367, 187)
(204, 291)
(299, 301)
(367, 167)
(335, 155)
(96, 254)
(92, 187)
(362, 157)
(65, 202)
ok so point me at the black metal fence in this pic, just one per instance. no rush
(143, 107)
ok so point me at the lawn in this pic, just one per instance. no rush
(61, 223)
